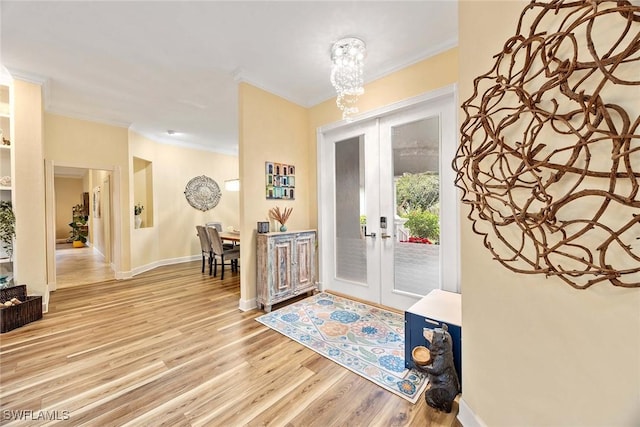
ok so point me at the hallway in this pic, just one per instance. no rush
(79, 266)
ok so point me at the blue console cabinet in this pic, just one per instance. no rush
(436, 308)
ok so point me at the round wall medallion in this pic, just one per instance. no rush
(202, 193)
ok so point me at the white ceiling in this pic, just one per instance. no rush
(160, 65)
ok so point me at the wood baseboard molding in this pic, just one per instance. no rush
(152, 265)
(247, 304)
(466, 416)
(121, 275)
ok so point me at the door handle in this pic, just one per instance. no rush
(370, 234)
(386, 236)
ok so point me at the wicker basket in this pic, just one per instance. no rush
(18, 315)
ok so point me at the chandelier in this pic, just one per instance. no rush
(347, 57)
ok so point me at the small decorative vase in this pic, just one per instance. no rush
(137, 221)
(283, 227)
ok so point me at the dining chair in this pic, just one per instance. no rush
(219, 251)
(205, 246)
(218, 226)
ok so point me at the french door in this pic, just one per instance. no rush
(388, 210)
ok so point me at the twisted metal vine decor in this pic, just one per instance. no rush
(549, 158)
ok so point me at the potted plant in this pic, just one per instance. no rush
(79, 230)
(7, 227)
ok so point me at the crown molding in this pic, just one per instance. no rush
(385, 71)
(191, 145)
(240, 76)
(87, 117)
(28, 77)
(421, 56)
(182, 144)
(42, 81)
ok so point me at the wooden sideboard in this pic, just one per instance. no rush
(286, 266)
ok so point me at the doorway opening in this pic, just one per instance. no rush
(82, 224)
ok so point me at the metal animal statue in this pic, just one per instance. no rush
(444, 385)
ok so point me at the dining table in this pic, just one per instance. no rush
(230, 236)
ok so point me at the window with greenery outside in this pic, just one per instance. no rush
(418, 200)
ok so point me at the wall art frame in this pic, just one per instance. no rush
(280, 181)
(97, 202)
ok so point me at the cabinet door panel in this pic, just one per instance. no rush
(283, 253)
(304, 250)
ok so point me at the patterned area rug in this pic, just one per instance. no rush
(366, 340)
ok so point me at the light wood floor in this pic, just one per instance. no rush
(79, 266)
(171, 348)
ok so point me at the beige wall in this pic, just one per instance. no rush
(271, 129)
(30, 244)
(102, 148)
(173, 235)
(98, 146)
(68, 194)
(536, 351)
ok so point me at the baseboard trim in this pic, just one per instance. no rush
(247, 304)
(466, 416)
(122, 275)
(169, 261)
(96, 250)
(45, 303)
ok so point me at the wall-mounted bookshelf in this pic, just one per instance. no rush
(6, 168)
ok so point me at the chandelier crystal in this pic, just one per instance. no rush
(347, 57)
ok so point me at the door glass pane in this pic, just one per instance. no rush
(351, 256)
(416, 166)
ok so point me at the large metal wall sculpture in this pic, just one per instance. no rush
(202, 193)
(549, 159)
